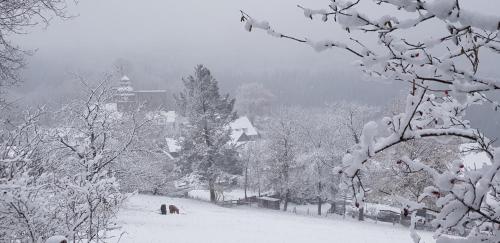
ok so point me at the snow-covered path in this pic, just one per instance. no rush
(201, 222)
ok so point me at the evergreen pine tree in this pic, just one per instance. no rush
(207, 151)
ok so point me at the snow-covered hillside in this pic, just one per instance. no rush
(203, 222)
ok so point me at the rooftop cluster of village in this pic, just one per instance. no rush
(154, 105)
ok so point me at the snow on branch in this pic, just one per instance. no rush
(408, 61)
(445, 80)
(251, 23)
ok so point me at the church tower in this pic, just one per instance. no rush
(125, 95)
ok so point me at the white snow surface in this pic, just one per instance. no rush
(202, 194)
(235, 136)
(56, 239)
(244, 124)
(204, 222)
(171, 116)
(173, 145)
(474, 160)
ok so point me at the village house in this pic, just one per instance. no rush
(242, 131)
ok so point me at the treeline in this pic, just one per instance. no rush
(66, 171)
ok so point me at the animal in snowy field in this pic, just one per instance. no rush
(163, 209)
(173, 209)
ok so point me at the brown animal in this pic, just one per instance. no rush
(173, 209)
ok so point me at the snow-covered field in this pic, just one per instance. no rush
(230, 195)
(201, 222)
(309, 209)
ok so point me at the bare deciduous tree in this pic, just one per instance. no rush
(15, 17)
(91, 139)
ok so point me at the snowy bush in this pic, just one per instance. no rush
(90, 141)
(59, 180)
(146, 167)
(28, 200)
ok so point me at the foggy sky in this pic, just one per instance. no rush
(165, 39)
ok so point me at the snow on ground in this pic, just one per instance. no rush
(204, 222)
(229, 195)
(371, 208)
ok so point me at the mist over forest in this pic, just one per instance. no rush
(162, 41)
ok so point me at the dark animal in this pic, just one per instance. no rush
(173, 209)
(163, 209)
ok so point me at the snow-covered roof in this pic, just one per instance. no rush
(244, 124)
(241, 130)
(474, 160)
(173, 145)
(269, 199)
(171, 116)
(151, 91)
(56, 239)
(125, 78)
(111, 107)
(382, 207)
(236, 135)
